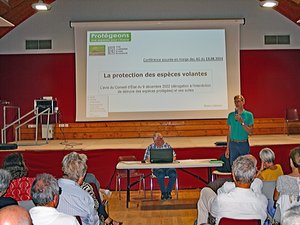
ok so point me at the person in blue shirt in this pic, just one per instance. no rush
(240, 126)
(159, 143)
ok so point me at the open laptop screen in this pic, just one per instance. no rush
(161, 155)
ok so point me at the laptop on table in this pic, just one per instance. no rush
(161, 155)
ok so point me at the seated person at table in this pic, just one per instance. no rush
(20, 185)
(238, 202)
(159, 143)
(268, 170)
(74, 200)
(45, 195)
(5, 179)
(14, 215)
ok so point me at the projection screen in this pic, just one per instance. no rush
(153, 70)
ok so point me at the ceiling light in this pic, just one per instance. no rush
(268, 3)
(41, 6)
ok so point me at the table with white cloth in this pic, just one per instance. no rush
(177, 164)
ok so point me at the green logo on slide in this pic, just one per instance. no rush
(110, 37)
(96, 50)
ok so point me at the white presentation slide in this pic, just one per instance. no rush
(155, 71)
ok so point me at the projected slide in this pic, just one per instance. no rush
(155, 71)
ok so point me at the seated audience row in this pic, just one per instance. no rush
(223, 198)
(75, 200)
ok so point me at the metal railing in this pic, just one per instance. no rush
(17, 128)
(3, 134)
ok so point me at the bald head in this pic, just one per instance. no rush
(14, 215)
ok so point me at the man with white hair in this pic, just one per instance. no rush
(239, 201)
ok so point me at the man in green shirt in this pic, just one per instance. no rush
(240, 126)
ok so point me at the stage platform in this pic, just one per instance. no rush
(141, 143)
(103, 154)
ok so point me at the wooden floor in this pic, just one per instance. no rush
(140, 143)
(155, 212)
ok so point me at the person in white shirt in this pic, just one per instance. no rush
(45, 195)
(239, 200)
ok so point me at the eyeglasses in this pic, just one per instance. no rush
(237, 101)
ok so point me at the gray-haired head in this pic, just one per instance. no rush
(74, 166)
(5, 179)
(291, 216)
(15, 164)
(267, 155)
(244, 169)
(43, 189)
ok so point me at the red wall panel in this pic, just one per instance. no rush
(270, 80)
(24, 78)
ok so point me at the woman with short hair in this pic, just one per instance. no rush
(73, 200)
(269, 171)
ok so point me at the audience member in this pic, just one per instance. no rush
(74, 200)
(268, 170)
(287, 188)
(98, 204)
(159, 143)
(14, 215)
(291, 216)
(20, 186)
(5, 179)
(240, 125)
(238, 201)
(45, 195)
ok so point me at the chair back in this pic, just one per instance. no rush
(122, 172)
(268, 189)
(230, 221)
(292, 114)
(127, 158)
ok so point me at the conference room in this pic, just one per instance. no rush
(101, 77)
